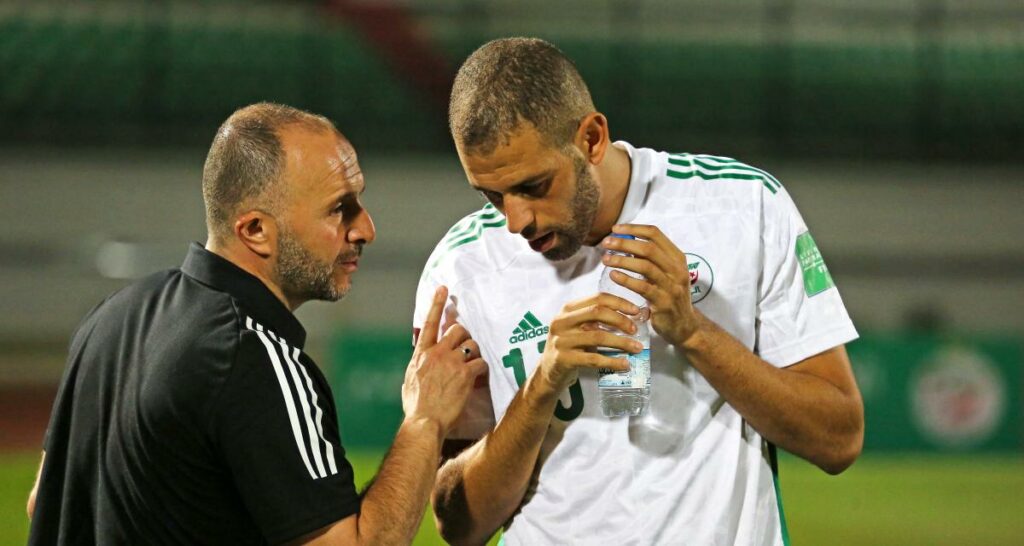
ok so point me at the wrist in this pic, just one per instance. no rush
(692, 338)
(424, 426)
(541, 388)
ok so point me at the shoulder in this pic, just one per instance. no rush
(690, 185)
(251, 373)
(719, 174)
(185, 332)
(476, 243)
(132, 304)
(138, 292)
(258, 344)
(263, 354)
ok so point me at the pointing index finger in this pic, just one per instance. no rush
(428, 335)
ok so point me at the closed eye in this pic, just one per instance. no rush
(493, 197)
(347, 207)
(535, 189)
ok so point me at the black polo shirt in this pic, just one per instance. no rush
(188, 414)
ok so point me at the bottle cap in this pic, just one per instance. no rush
(623, 236)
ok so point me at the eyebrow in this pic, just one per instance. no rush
(347, 194)
(519, 186)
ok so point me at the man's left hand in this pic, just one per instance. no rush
(666, 282)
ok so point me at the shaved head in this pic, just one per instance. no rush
(245, 162)
(510, 80)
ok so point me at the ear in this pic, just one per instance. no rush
(257, 230)
(592, 137)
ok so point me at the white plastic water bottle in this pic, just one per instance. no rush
(626, 393)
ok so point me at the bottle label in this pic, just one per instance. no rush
(638, 376)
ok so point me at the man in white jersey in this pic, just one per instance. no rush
(749, 329)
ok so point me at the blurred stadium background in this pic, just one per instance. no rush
(898, 125)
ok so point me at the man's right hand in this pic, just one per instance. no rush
(576, 333)
(440, 375)
(437, 383)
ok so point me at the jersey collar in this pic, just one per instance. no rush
(220, 274)
(639, 182)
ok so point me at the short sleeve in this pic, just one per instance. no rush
(799, 311)
(276, 428)
(477, 418)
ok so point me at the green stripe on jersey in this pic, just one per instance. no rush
(532, 320)
(735, 168)
(478, 230)
(471, 224)
(715, 162)
(721, 168)
(773, 460)
(467, 224)
(736, 165)
(679, 161)
(698, 174)
(467, 230)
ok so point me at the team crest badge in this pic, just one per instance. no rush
(702, 277)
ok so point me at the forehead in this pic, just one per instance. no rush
(320, 161)
(522, 156)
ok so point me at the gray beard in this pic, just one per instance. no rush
(302, 275)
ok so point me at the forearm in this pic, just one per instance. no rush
(393, 506)
(481, 488)
(800, 412)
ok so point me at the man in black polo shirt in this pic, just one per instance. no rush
(189, 413)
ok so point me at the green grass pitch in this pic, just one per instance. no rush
(883, 499)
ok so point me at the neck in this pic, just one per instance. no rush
(613, 177)
(253, 264)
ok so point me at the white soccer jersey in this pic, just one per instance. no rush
(691, 470)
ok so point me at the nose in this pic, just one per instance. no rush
(363, 231)
(517, 214)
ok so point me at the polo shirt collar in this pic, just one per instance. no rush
(639, 183)
(220, 274)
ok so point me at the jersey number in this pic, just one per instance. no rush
(514, 360)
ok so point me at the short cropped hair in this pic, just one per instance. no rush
(246, 160)
(511, 80)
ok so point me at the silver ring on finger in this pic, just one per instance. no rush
(466, 352)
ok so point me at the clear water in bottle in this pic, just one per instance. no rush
(627, 393)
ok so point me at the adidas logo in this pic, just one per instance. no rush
(529, 327)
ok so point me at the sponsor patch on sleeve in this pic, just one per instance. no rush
(816, 276)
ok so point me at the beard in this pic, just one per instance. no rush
(304, 276)
(583, 209)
